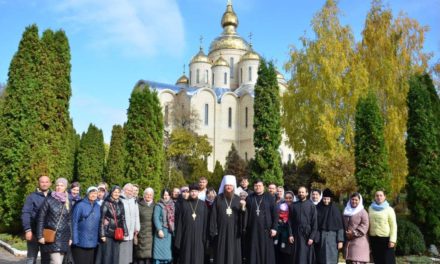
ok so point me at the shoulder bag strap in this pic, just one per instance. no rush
(114, 214)
(59, 220)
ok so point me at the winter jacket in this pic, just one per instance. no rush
(131, 210)
(144, 248)
(85, 224)
(55, 214)
(110, 210)
(31, 207)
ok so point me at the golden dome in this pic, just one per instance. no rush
(250, 55)
(182, 80)
(229, 17)
(200, 57)
(229, 38)
(220, 62)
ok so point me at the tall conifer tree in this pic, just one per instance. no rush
(91, 157)
(372, 170)
(267, 131)
(235, 165)
(144, 138)
(423, 152)
(115, 166)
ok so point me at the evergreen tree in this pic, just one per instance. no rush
(235, 165)
(423, 153)
(371, 160)
(91, 157)
(19, 126)
(267, 131)
(144, 139)
(217, 176)
(115, 165)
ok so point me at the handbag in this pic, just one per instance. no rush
(49, 234)
(119, 232)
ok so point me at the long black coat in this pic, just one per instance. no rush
(48, 217)
(110, 210)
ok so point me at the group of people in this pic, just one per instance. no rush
(196, 225)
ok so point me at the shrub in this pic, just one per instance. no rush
(409, 238)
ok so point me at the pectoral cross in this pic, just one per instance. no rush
(194, 216)
(258, 211)
(229, 211)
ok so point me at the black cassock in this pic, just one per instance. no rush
(262, 217)
(191, 233)
(227, 229)
(304, 224)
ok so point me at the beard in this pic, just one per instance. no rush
(228, 194)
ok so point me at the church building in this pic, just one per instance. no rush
(219, 94)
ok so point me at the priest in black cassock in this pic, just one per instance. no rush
(261, 226)
(226, 222)
(191, 228)
(304, 226)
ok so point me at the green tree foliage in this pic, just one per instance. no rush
(91, 157)
(409, 238)
(327, 80)
(173, 178)
(144, 139)
(36, 132)
(267, 126)
(217, 176)
(391, 50)
(305, 174)
(371, 159)
(235, 165)
(187, 152)
(423, 152)
(115, 165)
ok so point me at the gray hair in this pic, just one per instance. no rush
(148, 190)
(128, 185)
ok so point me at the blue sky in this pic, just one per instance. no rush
(114, 43)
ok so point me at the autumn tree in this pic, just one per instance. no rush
(392, 51)
(267, 126)
(144, 138)
(371, 158)
(423, 152)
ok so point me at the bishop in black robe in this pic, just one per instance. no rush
(226, 229)
(304, 226)
(191, 231)
(262, 222)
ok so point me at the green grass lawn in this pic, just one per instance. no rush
(15, 241)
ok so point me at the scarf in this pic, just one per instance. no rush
(350, 211)
(380, 207)
(329, 217)
(59, 196)
(168, 214)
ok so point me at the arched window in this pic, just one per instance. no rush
(198, 76)
(206, 77)
(206, 114)
(225, 78)
(212, 79)
(166, 116)
(250, 73)
(190, 76)
(241, 75)
(231, 62)
(229, 117)
(246, 117)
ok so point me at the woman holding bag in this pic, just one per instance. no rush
(113, 228)
(54, 223)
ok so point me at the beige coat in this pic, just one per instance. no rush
(357, 249)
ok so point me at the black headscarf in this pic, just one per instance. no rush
(329, 216)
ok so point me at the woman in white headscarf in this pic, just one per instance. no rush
(357, 248)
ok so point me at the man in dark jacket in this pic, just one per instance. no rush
(29, 218)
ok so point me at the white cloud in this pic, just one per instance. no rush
(133, 27)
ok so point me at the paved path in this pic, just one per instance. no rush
(8, 258)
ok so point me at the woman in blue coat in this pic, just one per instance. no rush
(85, 227)
(163, 218)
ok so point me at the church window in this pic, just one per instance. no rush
(250, 74)
(206, 114)
(231, 62)
(190, 76)
(246, 117)
(225, 78)
(198, 76)
(230, 117)
(241, 75)
(206, 77)
(166, 115)
(212, 79)
(245, 156)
